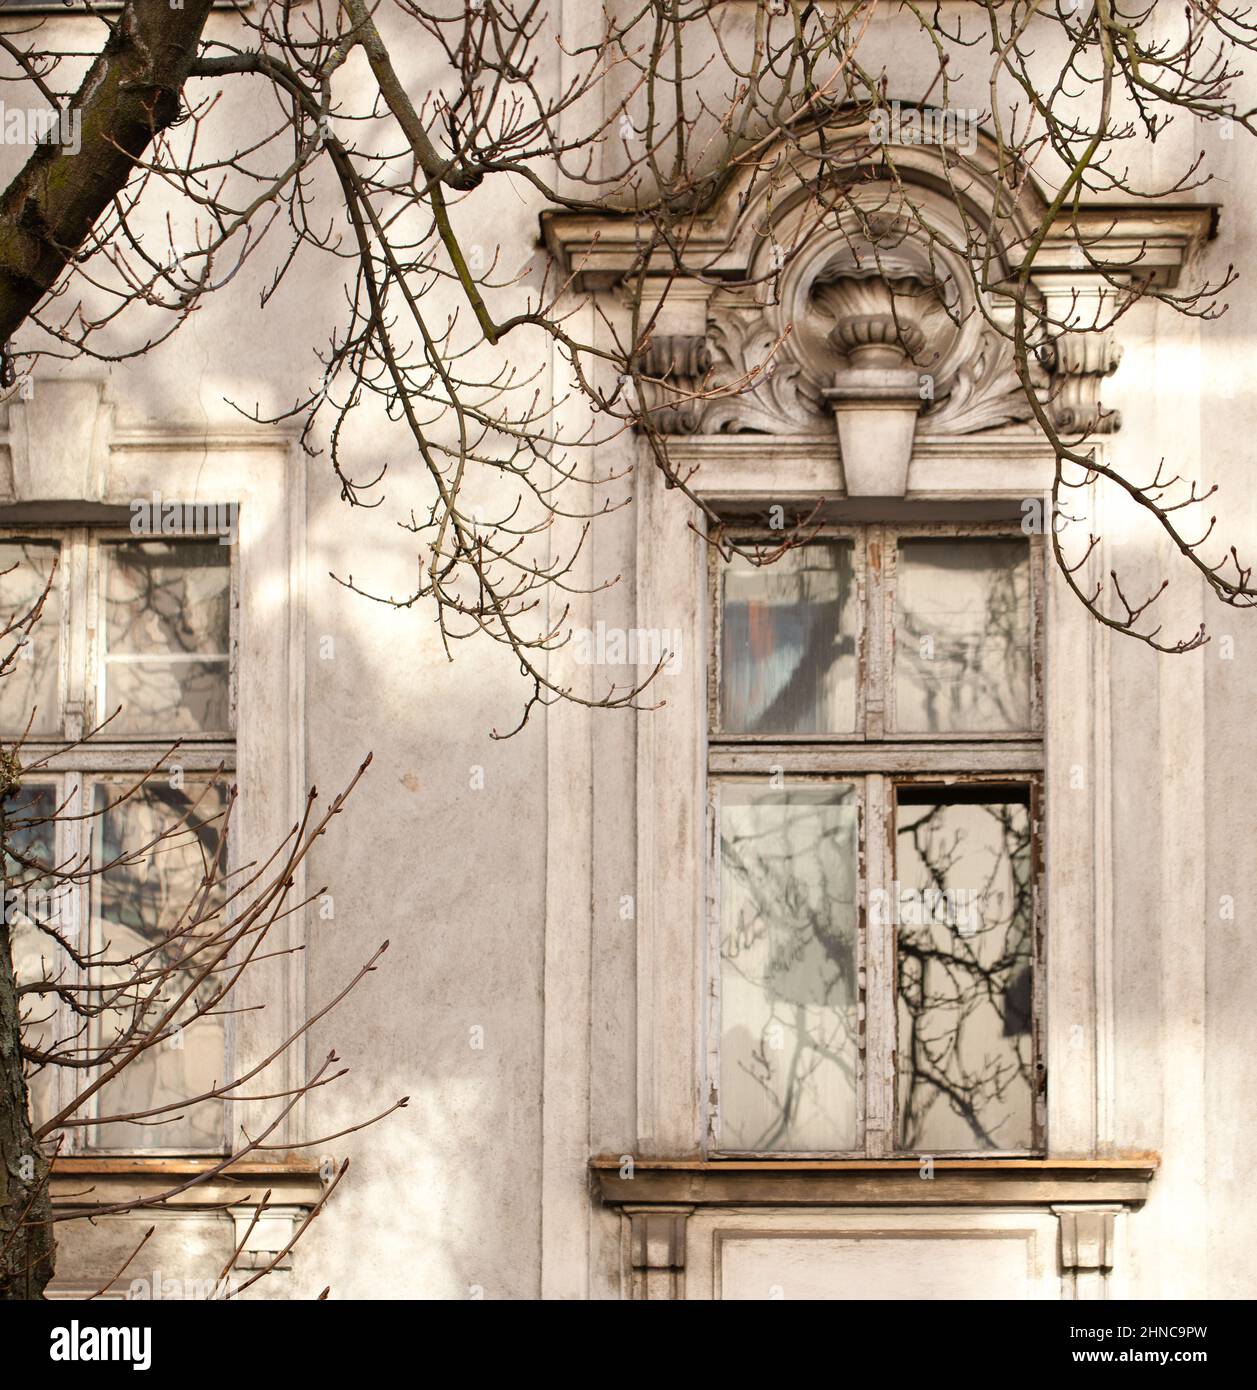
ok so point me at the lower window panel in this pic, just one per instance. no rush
(964, 955)
(789, 932)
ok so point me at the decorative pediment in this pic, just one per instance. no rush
(866, 314)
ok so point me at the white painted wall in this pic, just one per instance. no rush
(502, 905)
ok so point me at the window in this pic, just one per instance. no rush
(135, 640)
(874, 762)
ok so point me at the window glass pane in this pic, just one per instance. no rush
(964, 914)
(32, 682)
(141, 923)
(962, 648)
(788, 988)
(34, 909)
(167, 636)
(788, 643)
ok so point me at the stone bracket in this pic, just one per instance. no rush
(1083, 351)
(260, 1246)
(656, 1257)
(1087, 1249)
(678, 363)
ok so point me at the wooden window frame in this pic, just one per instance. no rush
(100, 537)
(76, 769)
(877, 760)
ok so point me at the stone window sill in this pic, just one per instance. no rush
(86, 1182)
(871, 1182)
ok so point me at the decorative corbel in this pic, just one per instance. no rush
(1086, 1249)
(56, 443)
(672, 371)
(656, 1256)
(262, 1239)
(1083, 350)
(673, 366)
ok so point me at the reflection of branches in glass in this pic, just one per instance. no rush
(963, 628)
(30, 842)
(167, 633)
(111, 1030)
(788, 643)
(788, 947)
(167, 848)
(30, 611)
(964, 985)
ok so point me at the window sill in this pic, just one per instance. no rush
(872, 1182)
(88, 1182)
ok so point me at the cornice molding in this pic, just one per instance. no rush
(1153, 241)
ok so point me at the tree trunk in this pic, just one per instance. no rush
(130, 94)
(26, 1240)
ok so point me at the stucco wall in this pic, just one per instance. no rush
(497, 922)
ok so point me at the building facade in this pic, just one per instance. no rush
(897, 947)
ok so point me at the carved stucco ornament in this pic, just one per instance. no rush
(1080, 361)
(886, 354)
(902, 307)
(672, 371)
(876, 394)
(775, 350)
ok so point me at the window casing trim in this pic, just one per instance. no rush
(672, 909)
(76, 771)
(98, 466)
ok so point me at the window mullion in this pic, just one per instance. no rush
(74, 834)
(879, 972)
(77, 645)
(879, 963)
(875, 633)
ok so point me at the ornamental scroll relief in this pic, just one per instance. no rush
(900, 324)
